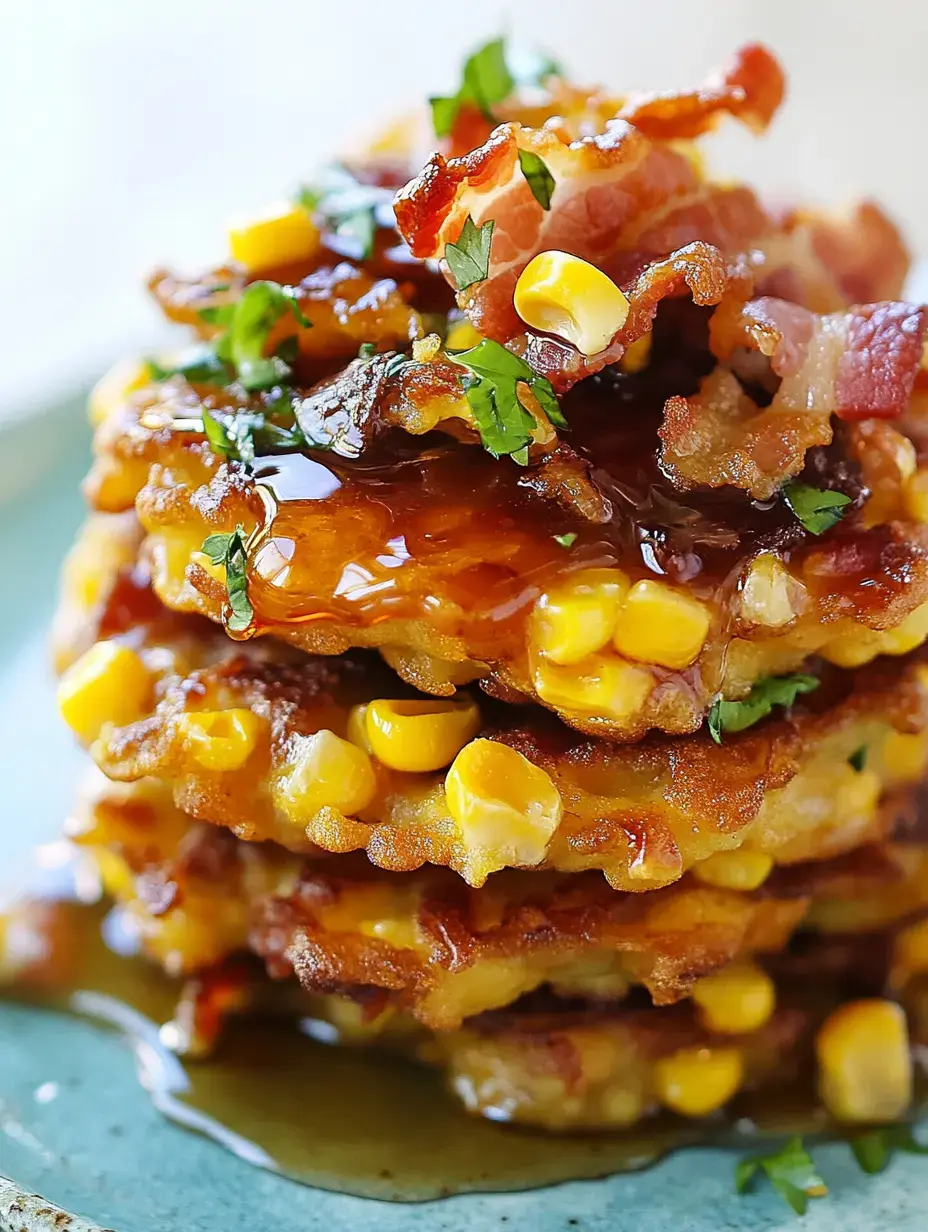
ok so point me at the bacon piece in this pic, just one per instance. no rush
(857, 365)
(861, 250)
(750, 88)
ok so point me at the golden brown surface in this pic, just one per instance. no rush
(643, 814)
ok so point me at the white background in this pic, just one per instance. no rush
(131, 129)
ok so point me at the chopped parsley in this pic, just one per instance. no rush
(504, 424)
(367, 350)
(469, 258)
(230, 550)
(764, 695)
(201, 366)
(351, 209)
(485, 80)
(818, 509)
(790, 1171)
(539, 178)
(858, 759)
(874, 1149)
(246, 324)
(566, 541)
(241, 436)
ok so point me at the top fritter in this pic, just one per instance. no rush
(602, 432)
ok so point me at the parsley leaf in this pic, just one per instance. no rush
(243, 435)
(539, 178)
(790, 1171)
(486, 80)
(818, 509)
(566, 541)
(764, 695)
(858, 759)
(469, 258)
(201, 366)
(874, 1149)
(349, 208)
(248, 322)
(504, 424)
(229, 550)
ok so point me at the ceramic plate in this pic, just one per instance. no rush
(75, 1126)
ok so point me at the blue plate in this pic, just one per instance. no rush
(75, 1125)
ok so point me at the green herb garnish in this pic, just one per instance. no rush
(858, 759)
(790, 1171)
(349, 208)
(469, 258)
(243, 435)
(202, 366)
(504, 424)
(764, 695)
(230, 550)
(367, 350)
(246, 324)
(568, 540)
(485, 80)
(539, 178)
(818, 509)
(874, 1149)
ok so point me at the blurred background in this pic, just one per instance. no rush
(130, 130)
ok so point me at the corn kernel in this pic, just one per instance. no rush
(114, 387)
(601, 685)
(505, 807)
(108, 684)
(903, 756)
(915, 495)
(357, 728)
(285, 233)
(697, 1081)
(865, 1066)
(220, 739)
(565, 295)
(910, 952)
(765, 593)
(661, 625)
(579, 617)
(417, 735)
(907, 635)
(327, 772)
(636, 355)
(740, 997)
(461, 336)
(734, 870)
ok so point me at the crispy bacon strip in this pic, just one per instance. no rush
(750, 88)
(857, 365)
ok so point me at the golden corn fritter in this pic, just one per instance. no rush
(427, 945)
(334, 754)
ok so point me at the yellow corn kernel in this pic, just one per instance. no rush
(357, 728)
(417, 735)
(114, 387)
(283, 234)
(660, 625)
(220, 739)
(915, 495)
(505, 807)
(697, 1081)
(327, 772)
(461, 336)
(567, 296)
(734, 870)
(578, 617)
(636, 355)
(108, 684)
(903, 756)
(907, 635)
(601, 685)
(740, 997)
(766, 593)
(864, 1062)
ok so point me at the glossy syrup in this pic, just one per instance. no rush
(344, 1119)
